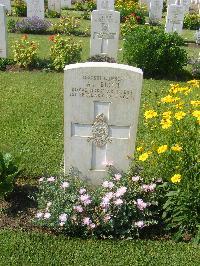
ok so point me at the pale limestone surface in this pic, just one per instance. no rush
(105, 26)
(101, 106)
(66, 3)
(186, 4)
(7, 4)
(174, 18)
(155, 11)
(197, 35)
(35, 8)
(3, 32)
(54, 5)
(105, 5)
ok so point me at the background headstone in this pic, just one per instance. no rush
(7, 4)
(66, 3)
(35, 8)
(54, 5)
(105, 26)
(3, 32)
(197, 35)
(186, 4)
(155, 11)
(105, 5)
(174, 18)
(101, 103)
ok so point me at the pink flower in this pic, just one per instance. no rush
(107, 163)
(105, 202)
(82, 190)
(120, 191)
(47, 215)
(85, 199)
(109, 195)
(92, 225)
(78, 208)
(139, 224)
(39, 215)
(51, 179)
(41, 179)
(63, 217)
(117, 177)
(107, 218)
(65, 185)
(87, 221)
(107, 184)
(149, 188)
(136, 178)
(118, 202)
(141, 204)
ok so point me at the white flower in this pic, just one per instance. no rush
(65, 185)
(39, 215)
(63, 217)
(41, 179)
(136, 178)
(107, 163)
(139, 224)
(51, 179)
(118, 202)
(49, 204)
(117, 177)
(107, 184)
(82, 190)
(47, 215)
(61, 224)
(120, 192)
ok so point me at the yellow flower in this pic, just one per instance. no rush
(150, 114)
(176, 178)
(169, 99)
(179, 105)
(179, 115)
(174, 88)
(162, 149)
(196, 114)
(176, 147)
(166, 123)
(139, 148)
(143, 156)
(167, 114)
(195, 103)
(194, 83)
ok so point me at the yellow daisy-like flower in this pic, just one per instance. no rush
(143, 157)
(150, 114)
(162, 149)
(166, 123)
(139, 148)
(176, 178)
(179, 115)
(194, 83)
(176, 147)
(169, 99)
(179, 105)
(196, 114)
(167, 114)
(195, 103)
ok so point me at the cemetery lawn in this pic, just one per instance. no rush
(21, 248)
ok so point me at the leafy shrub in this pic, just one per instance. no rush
(130, 7)
(171, 151)
(53, 14)
(11, 25)
(67, 25)
(121, 207)
(191, 21)
(8, 172)
(32, 25)
(4, 62)
(79, 6)
(129, 25)
(101, 58)
(195, 63)
(90, 5)
(156, 52)
(25, 52)
(64, 51)
(19, 8)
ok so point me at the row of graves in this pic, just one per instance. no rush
(101, 100)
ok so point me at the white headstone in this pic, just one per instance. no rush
(174, 18)
(54, 5)
(105, 5)
(197, 35)
(105, 26)
(170, 2)
(101, 106)
(66, 3)
(155, 12)
(186, 4)
(7, 4)
(35, 8)
(3, 32)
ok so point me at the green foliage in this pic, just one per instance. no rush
(8, 171)
(121, 207)
(64, 51)
(53, 14)
(195, 64)
(191, 21)
(90, 5)
(79, 6)
(156, 52)
(11, 25)
(4, 62)
(67, 25)
(128, 26)
(25, 52)
(19, 8)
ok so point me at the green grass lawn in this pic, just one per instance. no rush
(20, 248)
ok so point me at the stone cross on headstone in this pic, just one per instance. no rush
(174, 18)
(101, 103)
(7, 4)
(105, 26)
(35, 8)
(3, 32)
